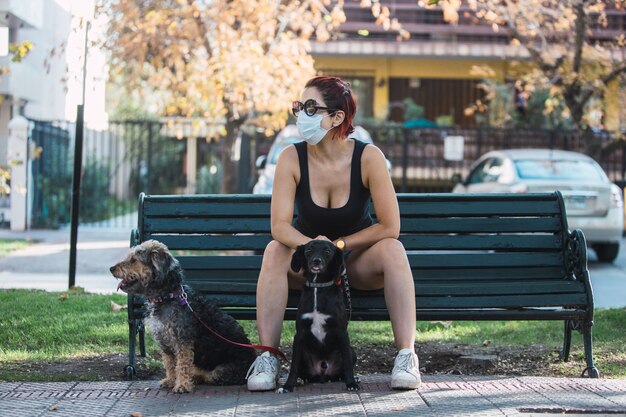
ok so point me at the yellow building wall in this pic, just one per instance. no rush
(613, 107)
(381, 69)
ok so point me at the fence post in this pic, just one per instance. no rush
(192, 164)
(405, 159)
(17, 156)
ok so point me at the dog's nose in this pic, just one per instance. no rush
(112, 269)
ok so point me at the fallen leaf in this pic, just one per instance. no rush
(117, 307)
(443, 323)
(63, 297)
(136, 414)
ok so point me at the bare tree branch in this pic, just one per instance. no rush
(613, 74)
(580, 35)
(202, 27)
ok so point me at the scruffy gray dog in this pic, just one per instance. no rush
(191, 353)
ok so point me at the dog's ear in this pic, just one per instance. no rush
(338, 262)
(162, 259)
(298, 260)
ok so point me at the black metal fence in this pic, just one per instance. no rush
(417, 155)
(151, 156)
(118, 163)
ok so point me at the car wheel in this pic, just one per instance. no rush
(607, 252)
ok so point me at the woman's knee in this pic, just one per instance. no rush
(275, 254)
(391, 249)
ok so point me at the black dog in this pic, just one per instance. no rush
(191, 354)
(321, 347)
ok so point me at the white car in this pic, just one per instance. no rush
(592, 202)
(286, 137)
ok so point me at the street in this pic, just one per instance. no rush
(609, 280)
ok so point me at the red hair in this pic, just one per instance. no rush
(337, 95)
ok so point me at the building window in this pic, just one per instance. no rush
(363, 90)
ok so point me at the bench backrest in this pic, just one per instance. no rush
(468, 252)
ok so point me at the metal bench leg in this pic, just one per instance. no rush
(142, 339)
(133, 328)
(590, 370)
(567, 341)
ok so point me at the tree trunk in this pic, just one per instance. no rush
(230, 177)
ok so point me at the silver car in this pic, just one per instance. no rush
(286, 137)
(593, 203)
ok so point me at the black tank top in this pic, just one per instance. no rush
(313, 220)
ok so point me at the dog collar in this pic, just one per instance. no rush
(168, 297)
(338, 281)
(320, 284)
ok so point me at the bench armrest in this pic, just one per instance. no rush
(576, 262)
(134, 238)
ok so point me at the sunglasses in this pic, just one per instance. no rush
(310, 107)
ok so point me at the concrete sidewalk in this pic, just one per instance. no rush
(439, 396)
(45, 265)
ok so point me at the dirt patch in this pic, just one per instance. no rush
(435, 358)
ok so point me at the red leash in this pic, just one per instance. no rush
(183, 301)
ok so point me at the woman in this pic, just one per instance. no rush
(331, 178)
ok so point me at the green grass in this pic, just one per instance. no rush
(7, 246)
(42, 327)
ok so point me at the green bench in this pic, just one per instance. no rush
(473, 257)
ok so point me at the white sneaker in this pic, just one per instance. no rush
(406, 373)
(263, 374)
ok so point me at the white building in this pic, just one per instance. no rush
(47, 86)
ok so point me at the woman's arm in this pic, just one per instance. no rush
(283, 196)
(377, 179)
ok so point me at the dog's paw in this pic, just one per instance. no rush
(284, 390)
(182, 388)
(166, 383)
(353, 386)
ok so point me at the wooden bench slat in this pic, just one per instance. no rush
(206, 225)
(478, 208)
(409, 225)
(213, 242)
(486, 242)
(483, 301)
(481, 225)
(440, 314)
(458, 289)
(478, 275)
(240, 262)
(410, 241)
(207, 208)
(422, 260)
(419, 274)
(479, 259)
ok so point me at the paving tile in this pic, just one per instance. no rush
(338, 404)
(206, 405)
(395, 403)
(97, 407)
(24, 407)
(268, 404)
(154, 407)
(112, 385)
(9, 386)
(45, 386)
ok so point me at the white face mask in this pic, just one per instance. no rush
(310, 127)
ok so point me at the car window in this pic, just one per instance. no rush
(487, 171)
(279, 146)
(557, 169)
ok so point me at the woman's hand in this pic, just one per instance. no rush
(321, 237)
